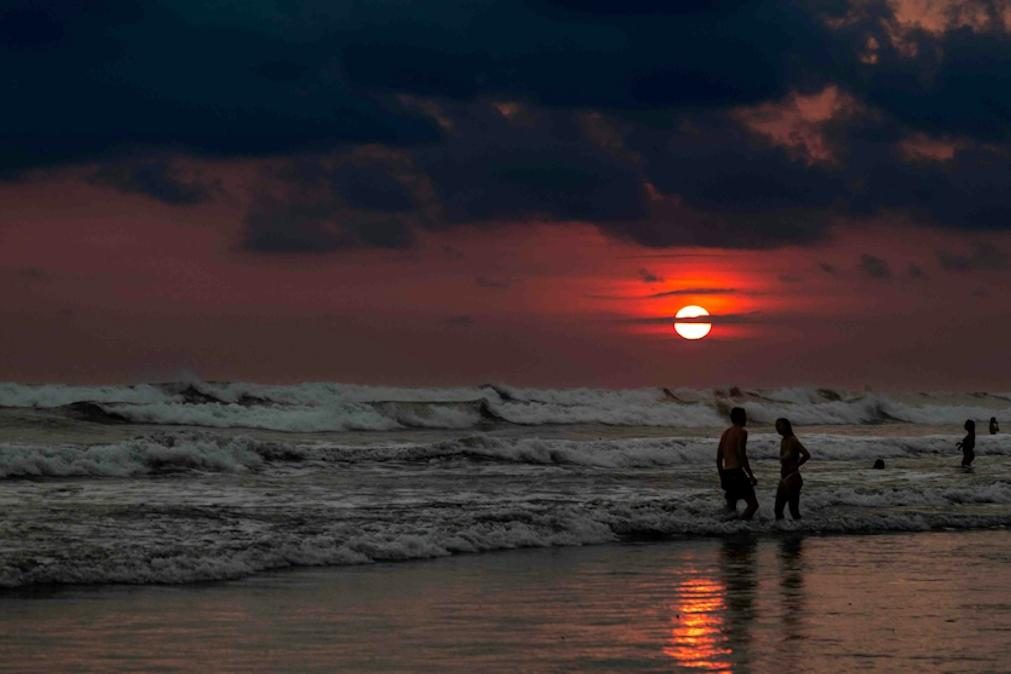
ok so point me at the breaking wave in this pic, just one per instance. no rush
(317, 407)
(204, 451)
(151, 455)
(482, 529)
(192, 505)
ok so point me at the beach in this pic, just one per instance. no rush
(497, 336)
(896, 602)
(322, 527)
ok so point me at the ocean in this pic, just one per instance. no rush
(173, 485)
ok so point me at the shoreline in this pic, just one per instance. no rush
(744, 535)
(763, 603)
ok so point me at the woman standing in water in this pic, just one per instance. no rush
(792, 455)
(968, 443)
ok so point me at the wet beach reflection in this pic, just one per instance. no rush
(909, 602)
(712, 615)
(792, 603)
(698, 639)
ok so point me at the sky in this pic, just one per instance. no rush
(440, 193)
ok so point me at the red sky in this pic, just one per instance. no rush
(103, 287)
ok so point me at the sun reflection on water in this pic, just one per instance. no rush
(697, 639)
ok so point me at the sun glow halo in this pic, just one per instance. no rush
(691, 329)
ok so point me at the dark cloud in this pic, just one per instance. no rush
(32, 273)
(728, 175)
(274, 226)
(966, 191)
(680, 255)
(715, 319)
(678, 292)
(27, 27)
(156, 178)
(119, 76)
(587, 55)
(309, 205)
(727, 185)
(915, 271)
(292, 226)
(356, 182)
(25, 277)
(649, 277)
(949, 83)
(983, 257)
(395, 116)
(373, 188)
(874, 267)
(489, 282)
(543, 166)
(829, 269)
(695, 291)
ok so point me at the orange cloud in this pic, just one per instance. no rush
(796, 122)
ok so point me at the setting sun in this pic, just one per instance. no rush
(691, 329)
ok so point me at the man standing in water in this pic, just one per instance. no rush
(736, 477)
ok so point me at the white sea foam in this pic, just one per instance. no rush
(483, 529)
(336, 407)
(55, 395)
(140, 456)
(647, 452)
(348, 416)
(204, 450)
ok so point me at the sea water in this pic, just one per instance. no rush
(198, 481)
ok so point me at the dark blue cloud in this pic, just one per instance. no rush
(320, 205)
(181, 77)
(156, 178)
(640, 56)
(875, 267)
(982, 257)
(543, 166)
(649, 277)
(952, 83)
(290, 226)
(626, 118)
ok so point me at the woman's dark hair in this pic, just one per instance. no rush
(785, 423)
(970, 425)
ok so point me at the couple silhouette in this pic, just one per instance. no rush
(737, 478)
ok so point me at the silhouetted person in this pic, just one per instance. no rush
(994, 428)
(792, 455)
(879, 464)
(968, 443)
(736, 477)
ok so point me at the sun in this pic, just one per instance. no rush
(691, 329)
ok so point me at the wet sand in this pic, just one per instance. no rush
(900, 602)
